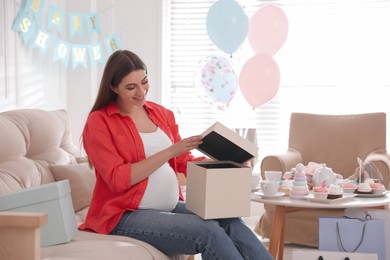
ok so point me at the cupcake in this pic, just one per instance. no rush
(335, 192)
(349, 187)
(364, 188)
(377, 188)
(320, 192)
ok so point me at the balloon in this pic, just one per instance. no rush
(218, 82)
(259, 79)
(227, 25)
(268, 30)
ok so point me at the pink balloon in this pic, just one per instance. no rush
(268, 30)
(259, 79)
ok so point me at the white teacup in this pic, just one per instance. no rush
(269, 188)
(273, 175)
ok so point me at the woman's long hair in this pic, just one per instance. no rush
(119, 65)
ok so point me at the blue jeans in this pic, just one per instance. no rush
(182, 232)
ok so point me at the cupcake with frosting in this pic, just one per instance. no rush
(320, 192)
(349, 187)
(377, 188)
(334, 191)
(364, 188)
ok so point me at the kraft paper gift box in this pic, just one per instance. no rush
(221, 188)
(53, 199)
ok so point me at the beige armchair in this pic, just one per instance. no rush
(337, 140)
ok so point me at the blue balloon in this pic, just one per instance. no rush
(227, 25)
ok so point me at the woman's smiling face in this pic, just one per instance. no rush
(132, 89)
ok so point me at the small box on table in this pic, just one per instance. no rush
(221, 188)
(53, 199)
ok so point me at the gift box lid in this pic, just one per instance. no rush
(34, 195)
(223, 144)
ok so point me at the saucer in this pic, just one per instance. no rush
(277, 195)
(345, 197)
(372, 195)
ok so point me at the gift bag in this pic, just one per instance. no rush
(374, 213)
(344, 234)
(299, 254)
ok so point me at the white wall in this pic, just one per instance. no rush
(41, 83)
(137, 24)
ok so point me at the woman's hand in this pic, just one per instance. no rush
(185, 145)
(142, 169)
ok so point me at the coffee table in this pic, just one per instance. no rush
(284, 205)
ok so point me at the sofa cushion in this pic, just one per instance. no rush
(90, 245)
(105, 248)
(81, 180)
(32, 139)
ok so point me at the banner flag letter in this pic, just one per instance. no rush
(93, 23)
(75, 25)
(56, 18)
(79, 54)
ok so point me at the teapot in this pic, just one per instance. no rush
(324, 173)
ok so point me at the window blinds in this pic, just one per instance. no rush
(336, 59)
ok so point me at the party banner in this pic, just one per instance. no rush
(42, 29)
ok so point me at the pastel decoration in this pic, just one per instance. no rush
(62, 51)
(79, 56)
(96, 53)
(42, 40)
(218, 82)
(25, 24)
(112, 43)
(227, 25)
(35, 35)
(268, 29)
(56, 18)
(259, 79)
(35, 7)
(93, 23)
(76, 24)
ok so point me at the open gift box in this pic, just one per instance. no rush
(221, 188)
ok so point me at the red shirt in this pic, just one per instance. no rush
(112, 143)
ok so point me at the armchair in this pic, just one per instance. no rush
(337, 141)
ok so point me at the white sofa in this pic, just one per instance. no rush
(36, 148)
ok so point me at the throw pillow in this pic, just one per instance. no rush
(82, 181)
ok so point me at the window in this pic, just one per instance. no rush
(336, 59)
